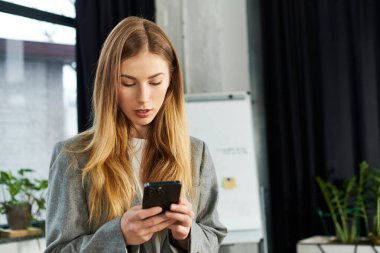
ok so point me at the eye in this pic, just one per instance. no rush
(127, 84)
(157, 83)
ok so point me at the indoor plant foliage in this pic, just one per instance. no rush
(354, 205)
(374, 204)
(20, 195)
(342, 210)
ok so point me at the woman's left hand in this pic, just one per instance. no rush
(184, 215)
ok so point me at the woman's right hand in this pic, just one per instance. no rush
(138, 225)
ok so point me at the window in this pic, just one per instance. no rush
(60, 7)
(37, 89)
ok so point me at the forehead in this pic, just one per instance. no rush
(144, 64)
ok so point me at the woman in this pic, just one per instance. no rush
(139, 135)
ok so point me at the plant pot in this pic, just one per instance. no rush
(327, 244)
(19, 216)
(376, 240)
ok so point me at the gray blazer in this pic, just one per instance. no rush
(68, 229)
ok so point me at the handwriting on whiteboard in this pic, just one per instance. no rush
(232, 151)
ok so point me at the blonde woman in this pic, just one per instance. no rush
(139, 135)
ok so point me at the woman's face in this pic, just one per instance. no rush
(144, 81)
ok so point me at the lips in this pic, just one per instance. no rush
(143, 113)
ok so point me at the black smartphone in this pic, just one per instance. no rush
(161, 194)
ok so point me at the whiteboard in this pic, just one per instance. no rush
(224, 122)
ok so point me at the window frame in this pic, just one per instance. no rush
(32, 13)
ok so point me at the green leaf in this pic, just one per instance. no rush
(22, 188)
(24, 170)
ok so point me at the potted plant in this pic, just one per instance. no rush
(353, 205)
(21, 196)
(373, 205)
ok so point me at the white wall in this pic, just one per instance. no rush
(211, 39)
(169, 17)
(234, 45)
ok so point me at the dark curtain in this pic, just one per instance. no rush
(321, 79)
(95, 19)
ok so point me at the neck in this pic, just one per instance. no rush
(140, 132)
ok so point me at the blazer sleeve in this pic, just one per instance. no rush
(67, 225)
(207, 232)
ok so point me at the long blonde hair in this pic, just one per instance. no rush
(167, 151)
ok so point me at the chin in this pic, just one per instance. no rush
(143, 122)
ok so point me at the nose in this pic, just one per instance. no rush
(143, 93)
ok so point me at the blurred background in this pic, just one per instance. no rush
(311, 67)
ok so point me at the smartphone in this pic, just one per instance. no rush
(161, 194)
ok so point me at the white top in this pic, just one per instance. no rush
(138, 147)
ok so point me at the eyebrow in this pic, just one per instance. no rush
(134, 78)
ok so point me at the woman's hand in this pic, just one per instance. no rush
(138, 225)
(183, 215)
